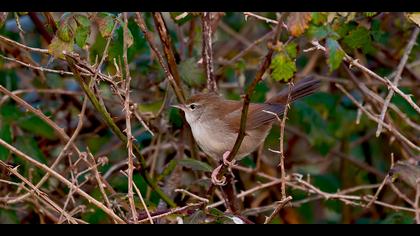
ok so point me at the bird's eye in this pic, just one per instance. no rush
(192, 106)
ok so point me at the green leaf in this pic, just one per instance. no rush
(283, 68)
(82, 34)
(36, 126)
(10, 113)
(82, 21)
(195, 165)
(65, 33)
(335, 54)
(318, 32)
(168, 170)
(152, 107)
(312, 123)
(9, 217)
(359, 38)
(319, 17)
(6, 135)
(29, 146)
(291, 49)
(105, 23)
(377, 34)
(57, 47)
(398, 218)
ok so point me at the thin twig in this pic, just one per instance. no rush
(38, 192)
(40, 68)
(61, 179)
(267, 20)
(378, 191)
(282, 126)
(143, 203)
(128, 122)
(22, 46)
(173, 211)
(397, 77)
(416, 201)
(46, 91)
(178, 91)
(353, 62)
(72, 60)
(207, 51)
(245, 51)
(59, 131)
(192, 195)
(248, 192)
(63, 151)
(391, 129)
(141, 199)
(280, 206)
(247, 97)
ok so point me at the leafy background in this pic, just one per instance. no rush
(323, 142)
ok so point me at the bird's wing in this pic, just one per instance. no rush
(258, 115)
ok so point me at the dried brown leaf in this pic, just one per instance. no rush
(298, 22)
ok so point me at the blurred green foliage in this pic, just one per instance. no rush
(324, 123)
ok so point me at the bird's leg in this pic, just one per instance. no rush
(214, 179)
(216, 171)
(226, 162)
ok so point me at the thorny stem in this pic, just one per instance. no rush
(207, 51)
(111, 124)
(128, 122)
(247, 97)
(397, 77)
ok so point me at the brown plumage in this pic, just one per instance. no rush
(215, 121)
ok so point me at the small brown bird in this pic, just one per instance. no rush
(215, 121)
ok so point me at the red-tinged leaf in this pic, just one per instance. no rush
(298, 22)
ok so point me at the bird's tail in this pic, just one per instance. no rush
(303, 88)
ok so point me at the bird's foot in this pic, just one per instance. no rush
(226, 162)
(214, 178)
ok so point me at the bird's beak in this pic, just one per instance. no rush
(179, 106)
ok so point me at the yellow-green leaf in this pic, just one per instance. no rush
(82, 34)
(283, 68)
(291, 49)
(65, 33)
(82, 20)
(57, 46)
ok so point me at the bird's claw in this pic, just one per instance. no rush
(215, 180)
(226, 162)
